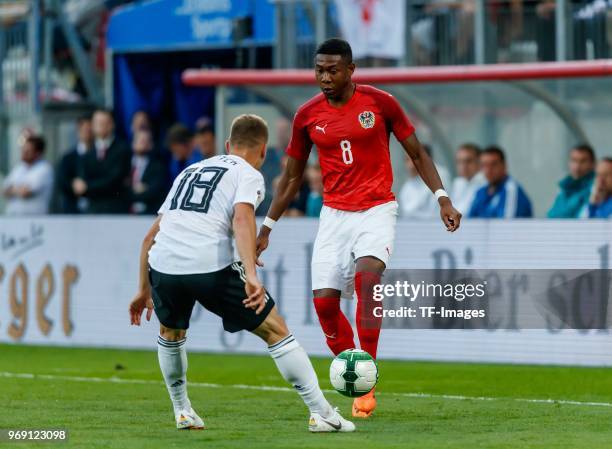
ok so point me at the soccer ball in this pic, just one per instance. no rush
(353, 373)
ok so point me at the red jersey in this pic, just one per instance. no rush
(353, 145)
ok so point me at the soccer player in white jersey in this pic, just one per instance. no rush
(188, 256)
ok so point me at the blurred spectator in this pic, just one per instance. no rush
(149, 177)
(415, 198)
(375, 29)
(545, 30)
(508, 19)
(297, 208)
(107, 169)
(72, 166)
(314, 202)
(444, 33)
(589, 25)
(25, 133)
(575, 189)
(203, 122)
(601, 200)
(140, 122)
(181, 144)
(271, 167)
(29, 186)
(464, 32)
(205, 142)
(469, 178)
(503, 197)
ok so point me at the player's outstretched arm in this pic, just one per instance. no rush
(428, 172)
(288, 187)
(143, 300)
(244, 227)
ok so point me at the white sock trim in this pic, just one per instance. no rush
(170, 344)
(287, 344)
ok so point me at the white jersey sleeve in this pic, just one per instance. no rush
(251, 188)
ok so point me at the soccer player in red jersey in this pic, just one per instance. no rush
(350, 125)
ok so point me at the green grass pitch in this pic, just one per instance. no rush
(73, 389)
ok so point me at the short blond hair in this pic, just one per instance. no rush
(248, 130)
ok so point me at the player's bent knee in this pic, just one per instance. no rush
(171, 334)
(273, 329)
(370, 264)
(326, 293)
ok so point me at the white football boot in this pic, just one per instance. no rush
(188, 419)
(333, 423)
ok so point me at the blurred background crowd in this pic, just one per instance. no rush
(96, 120)
(102, 174)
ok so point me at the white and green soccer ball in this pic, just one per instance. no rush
(353, 373)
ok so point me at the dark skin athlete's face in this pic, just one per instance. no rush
(334, 76)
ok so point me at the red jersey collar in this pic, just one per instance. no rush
(347, 104)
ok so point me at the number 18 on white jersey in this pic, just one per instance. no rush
(195, 233)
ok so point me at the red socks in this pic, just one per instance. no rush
(337, 329)
(368, 326)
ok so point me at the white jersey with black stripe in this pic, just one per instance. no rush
(195, 234)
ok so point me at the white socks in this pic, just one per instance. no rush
(295, 367)
(173, 363)
(290, 358)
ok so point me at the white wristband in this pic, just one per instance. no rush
(440, 193)
(269, 222)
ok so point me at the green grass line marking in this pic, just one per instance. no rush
(119, 380)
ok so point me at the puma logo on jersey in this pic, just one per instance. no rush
(321, 128)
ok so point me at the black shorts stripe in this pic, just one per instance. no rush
(238, 267)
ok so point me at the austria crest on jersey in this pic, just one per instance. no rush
(367, 119)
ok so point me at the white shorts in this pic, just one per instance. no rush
(344, 237)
